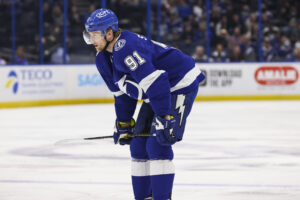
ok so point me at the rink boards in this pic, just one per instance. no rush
(70, 84)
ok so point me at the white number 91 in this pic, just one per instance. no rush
(131, 63)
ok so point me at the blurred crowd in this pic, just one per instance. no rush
(27, 30)
(233, 28)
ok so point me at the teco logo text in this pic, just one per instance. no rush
(276, 75)
(36, 74)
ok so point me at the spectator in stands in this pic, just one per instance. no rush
(184, 9)
(245, 14)
(175, 28)
(47, 16)
(295, 30)
(285, 51)
(58, 56)
(220, 39)
(296, 55)
(283, 14)
(268, 52)
(297, 44)
(223, 5)
(270, 30)
(199, 54)
(275, 39)
(236, 54)
(293, 14)
(229, 14)
(248, 49)
(74, 21)
(170, 7)
(215, 17)
(20, 59)
(57, 16)
(198, 10)
(252, 26)
(292, 21)
(266, 18)
(188, 34)
(51, 40)
(221, 25)
(219, 54)
(200, 36)
(237, 22)
(235, 39)
(2, 61)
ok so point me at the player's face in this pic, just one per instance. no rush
(97, 39)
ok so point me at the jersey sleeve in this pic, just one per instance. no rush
(124, 105)
(136, 58)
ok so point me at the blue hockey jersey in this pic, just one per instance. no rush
(139, 68)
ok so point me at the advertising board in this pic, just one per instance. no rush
(64, 84)
(232, 79)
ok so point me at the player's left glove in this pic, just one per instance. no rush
(164, 131)
(122, 132)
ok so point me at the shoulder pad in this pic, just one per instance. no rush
(119, 44)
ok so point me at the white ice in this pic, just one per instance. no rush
(231, 151)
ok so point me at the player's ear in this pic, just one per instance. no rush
(109, 34)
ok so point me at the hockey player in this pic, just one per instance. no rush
(135, 68)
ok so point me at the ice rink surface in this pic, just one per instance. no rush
(230, 151)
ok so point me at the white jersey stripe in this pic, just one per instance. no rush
(188, 79)
(140, 167)
(159, 167)
(118, 93)
(151, 167)
(148, 80)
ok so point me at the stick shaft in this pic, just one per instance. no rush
(67, 141)
(111, 136)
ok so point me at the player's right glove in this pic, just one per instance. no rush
(122, 130)
(164, 131)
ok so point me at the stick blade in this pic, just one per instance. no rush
(68, 141)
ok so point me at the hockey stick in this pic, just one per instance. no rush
(66, 141)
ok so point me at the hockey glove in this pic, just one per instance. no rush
(164, 131)
(122, 130)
